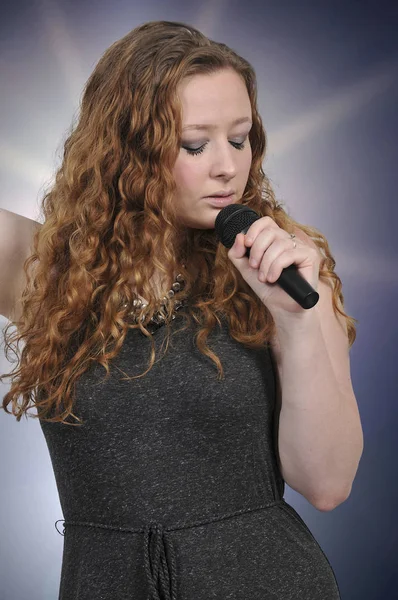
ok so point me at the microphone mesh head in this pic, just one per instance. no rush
(231, 220)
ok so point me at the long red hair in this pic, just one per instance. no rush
(110, 219)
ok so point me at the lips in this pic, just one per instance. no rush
(222, 194)
(220, 201)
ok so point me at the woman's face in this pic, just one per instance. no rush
(224, 160)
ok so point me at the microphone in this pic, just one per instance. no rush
(236, 218)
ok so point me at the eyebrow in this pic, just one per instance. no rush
(242, 120)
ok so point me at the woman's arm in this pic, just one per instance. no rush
(320, 432)
(16, 239)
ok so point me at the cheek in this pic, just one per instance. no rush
(186, 174)
(246, 165)
(249, 158)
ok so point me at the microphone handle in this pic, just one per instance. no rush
(294, 284)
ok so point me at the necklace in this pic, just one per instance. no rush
(159, 317)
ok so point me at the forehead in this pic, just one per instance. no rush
(211, 126)
(213, 98)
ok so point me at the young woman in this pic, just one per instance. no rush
(171, 466)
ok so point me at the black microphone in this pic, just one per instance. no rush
(236, 218)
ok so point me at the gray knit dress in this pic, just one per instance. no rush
(171, 489)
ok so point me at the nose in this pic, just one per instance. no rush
(224, 162)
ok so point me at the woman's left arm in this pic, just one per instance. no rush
(320, 439)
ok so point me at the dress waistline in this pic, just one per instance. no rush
(159, 553)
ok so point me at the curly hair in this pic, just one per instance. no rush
(109, 219)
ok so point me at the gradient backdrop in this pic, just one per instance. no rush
(328, 91)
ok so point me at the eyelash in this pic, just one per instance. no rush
(195, 151)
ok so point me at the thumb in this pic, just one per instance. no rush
(238, 249)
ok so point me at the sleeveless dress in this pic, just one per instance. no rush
(171, 489)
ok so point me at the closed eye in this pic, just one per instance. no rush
(194, 151)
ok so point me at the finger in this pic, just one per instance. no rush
(277, 247)
(261, 224)
(284, 260)
(238, 249)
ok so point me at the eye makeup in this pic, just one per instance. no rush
(195, 151)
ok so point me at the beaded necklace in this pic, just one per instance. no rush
(159, 317)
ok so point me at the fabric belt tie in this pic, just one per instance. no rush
(162, 580)
(159, 553)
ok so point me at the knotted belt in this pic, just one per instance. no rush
(160, 578)
(159, 553)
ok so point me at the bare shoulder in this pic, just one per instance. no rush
(16, 244)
